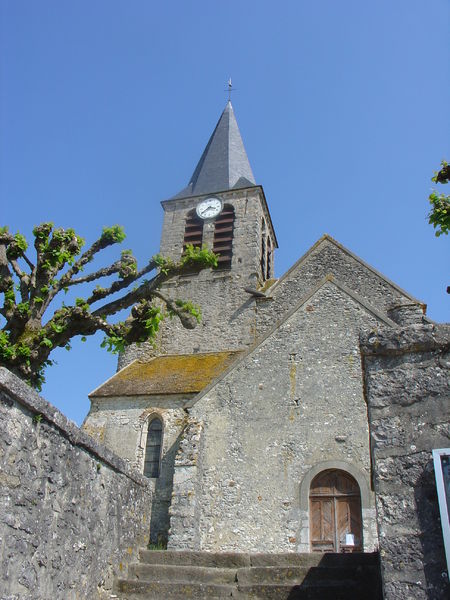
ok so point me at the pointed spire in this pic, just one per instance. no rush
(224, 164)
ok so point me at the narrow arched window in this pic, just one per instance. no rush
(153, 448)
(193, 231)
(223, 237)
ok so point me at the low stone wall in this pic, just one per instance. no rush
(407, 391)
(72, 514)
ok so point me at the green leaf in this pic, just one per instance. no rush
(203, 257)
(23, 309)
(57, 328)
(17, 247)
(112, 235)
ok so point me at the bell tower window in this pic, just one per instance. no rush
(193, 231)
(223, 237)
(266, 252)
(269, 258)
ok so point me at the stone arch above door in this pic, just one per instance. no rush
(361, 478)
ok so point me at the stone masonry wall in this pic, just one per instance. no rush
(186, 520)
(121, 424)
(327, 257)
(72, 513)
(407, 377)
(295, 403)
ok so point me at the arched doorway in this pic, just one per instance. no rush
(335, 513)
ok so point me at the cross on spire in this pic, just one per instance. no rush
(230, 89)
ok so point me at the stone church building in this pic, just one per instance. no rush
(253, 427)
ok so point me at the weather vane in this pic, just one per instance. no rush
(230, 89)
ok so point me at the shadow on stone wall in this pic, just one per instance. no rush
(431, 540)
(354, 575)
(162, 497)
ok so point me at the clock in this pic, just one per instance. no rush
(209, 207)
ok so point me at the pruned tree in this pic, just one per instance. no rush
(28, 337)
(439, 215)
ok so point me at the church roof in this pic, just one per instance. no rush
(224, 164)
(168, 374)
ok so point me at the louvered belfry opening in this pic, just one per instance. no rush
(223, 237)
(193, 232)
(266, 252)
(269, 259)
(263, 260)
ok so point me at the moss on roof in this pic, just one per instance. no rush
(169, 374)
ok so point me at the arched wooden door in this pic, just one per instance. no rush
(335, 513)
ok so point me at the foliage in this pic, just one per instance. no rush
(160, 545)
(439, 215)
(28, 337)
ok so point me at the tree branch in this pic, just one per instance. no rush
(116, 286)
(187, 319)
(28, 261)
(110, 236)
(143, 292)
(17, 270)
(105, 272)
(5, 273)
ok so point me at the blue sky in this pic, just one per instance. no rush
(106, 106)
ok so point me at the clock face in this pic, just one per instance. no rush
(209, 208)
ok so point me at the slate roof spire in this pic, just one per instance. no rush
(224, 164)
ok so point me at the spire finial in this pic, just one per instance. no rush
(230, 89)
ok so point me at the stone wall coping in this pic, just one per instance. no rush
(326, 238)
(260, 341)
(30, 399)
(225, 194)
(422, 337)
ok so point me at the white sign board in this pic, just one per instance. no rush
(441, 460)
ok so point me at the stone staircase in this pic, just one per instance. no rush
(168, 575)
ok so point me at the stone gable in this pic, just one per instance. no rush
(294, 401)
(328, 257)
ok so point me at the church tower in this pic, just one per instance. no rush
(223, 208)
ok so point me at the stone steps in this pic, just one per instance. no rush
(196, 559)
(179, 574)
(202, 575)
(242, 559)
